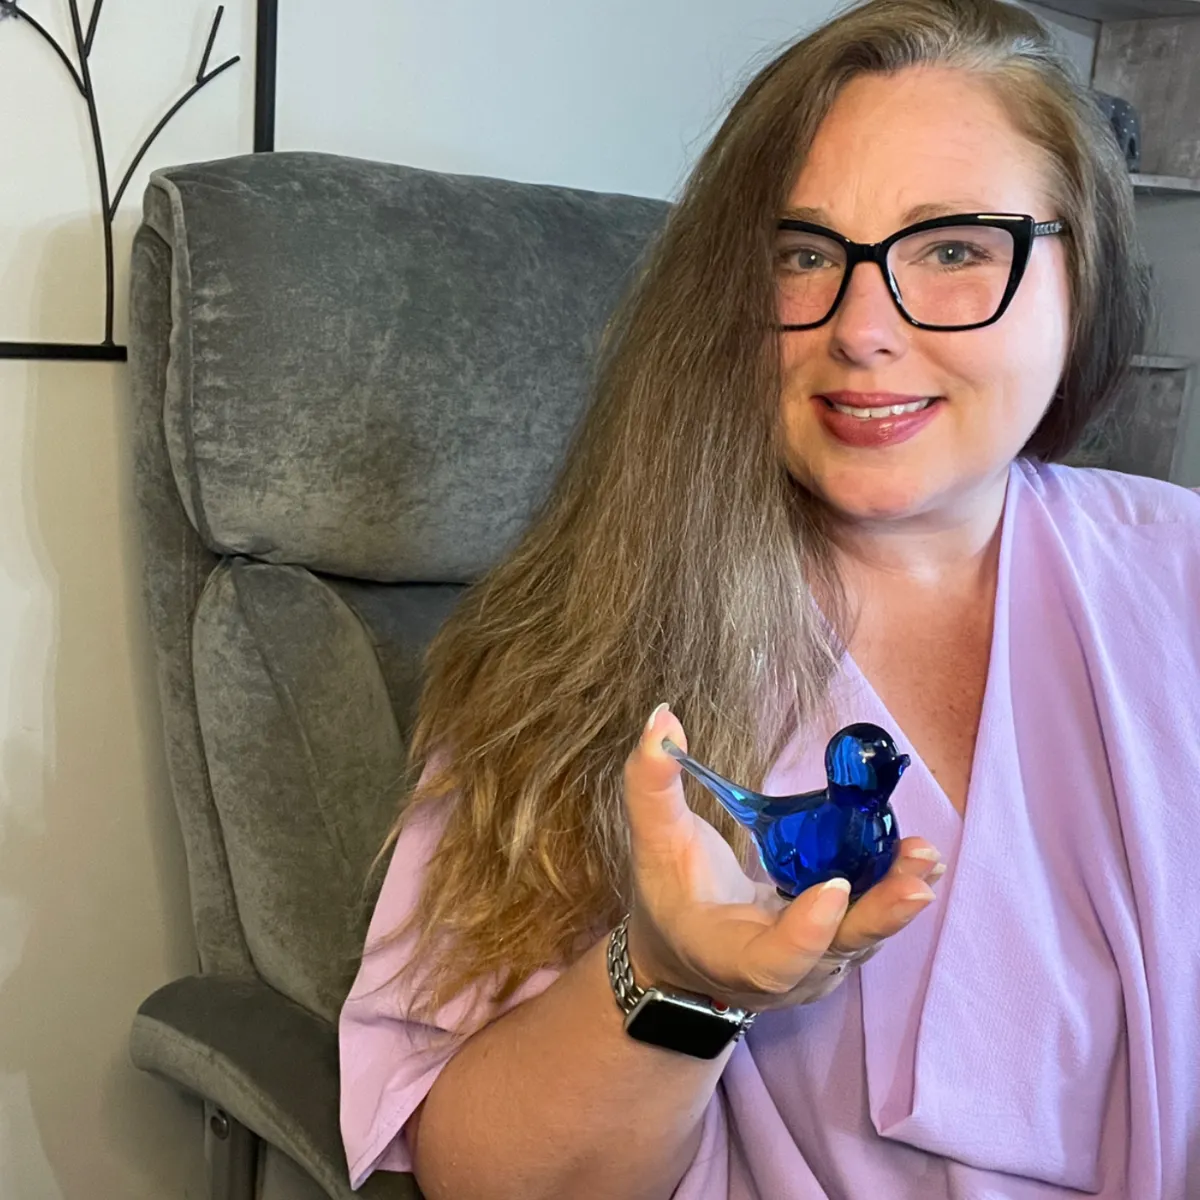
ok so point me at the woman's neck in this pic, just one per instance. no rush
(954, 549)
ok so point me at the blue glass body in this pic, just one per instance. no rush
(846, 829)
(803, 846)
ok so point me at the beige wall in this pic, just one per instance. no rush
(93, 910)
(93, 903)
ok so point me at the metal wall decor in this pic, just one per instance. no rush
(77, 69)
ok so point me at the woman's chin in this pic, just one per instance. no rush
(871, 500)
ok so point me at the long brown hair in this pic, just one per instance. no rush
(676, 559)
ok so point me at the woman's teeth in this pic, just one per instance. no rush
(894, 410)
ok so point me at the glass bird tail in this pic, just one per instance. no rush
(743, 804)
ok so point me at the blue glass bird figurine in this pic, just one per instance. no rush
(846, 829)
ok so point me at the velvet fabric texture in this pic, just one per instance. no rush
(352, 385)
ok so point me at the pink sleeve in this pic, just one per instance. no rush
(388, 1064)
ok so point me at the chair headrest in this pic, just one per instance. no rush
(375, 370)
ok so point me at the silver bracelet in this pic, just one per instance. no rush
(627, 991)
(620, 972)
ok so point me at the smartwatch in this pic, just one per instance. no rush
(674, 1020)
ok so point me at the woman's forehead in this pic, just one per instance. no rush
(897, 149)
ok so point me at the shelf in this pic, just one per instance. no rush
(1165, 185)
(1162, 362)
(1124, 10)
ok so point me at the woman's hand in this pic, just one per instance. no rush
(701, 924)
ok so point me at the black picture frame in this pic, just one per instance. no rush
(265, 56)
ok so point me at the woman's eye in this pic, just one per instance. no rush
(803, 259)
(956, 254)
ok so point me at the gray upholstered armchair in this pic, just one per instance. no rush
(352, 383)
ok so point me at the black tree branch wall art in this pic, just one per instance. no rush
(75, 58)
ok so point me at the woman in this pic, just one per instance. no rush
(850, 518)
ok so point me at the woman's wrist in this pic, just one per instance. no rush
(646, 958)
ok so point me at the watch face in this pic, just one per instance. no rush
(680, 1025)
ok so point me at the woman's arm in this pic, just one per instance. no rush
(554, 1099)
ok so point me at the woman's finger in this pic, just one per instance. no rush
(885, 910)
(899, 898)
(917, 858)
(784, 952)
(654, 802)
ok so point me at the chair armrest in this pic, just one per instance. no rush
(268, 1062)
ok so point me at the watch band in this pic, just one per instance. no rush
(628, 994)
(620, 971)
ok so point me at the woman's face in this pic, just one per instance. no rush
(934, 140)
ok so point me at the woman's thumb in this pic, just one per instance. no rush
(809, 923)
(654, 798)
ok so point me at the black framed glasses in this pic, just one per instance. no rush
(948, 273)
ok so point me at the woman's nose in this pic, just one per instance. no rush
(867, 325)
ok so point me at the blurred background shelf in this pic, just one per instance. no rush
(1146, 432)
(1162, 362)
(1146, 52)
(1165, 185)
(1124, 10)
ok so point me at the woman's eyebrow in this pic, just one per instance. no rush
(919, 212)
(925, 212)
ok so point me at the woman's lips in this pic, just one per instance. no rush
(879, 423)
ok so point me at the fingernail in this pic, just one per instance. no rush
(938, 871)
(830, 902)
(928, 853)
(905, 910)
(654, 714)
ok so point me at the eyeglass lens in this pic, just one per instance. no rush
(954, 275)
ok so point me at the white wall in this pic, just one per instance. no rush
(616, 95)
(93, 904)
